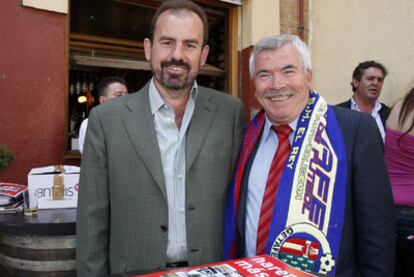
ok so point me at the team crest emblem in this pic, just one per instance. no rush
(304, 246)
(300, 253)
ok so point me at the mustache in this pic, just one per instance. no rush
(278, 93)
(175, 63)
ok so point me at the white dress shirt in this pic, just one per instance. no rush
(171, 141)
(375, 114)
(82, 133)
(257, 182)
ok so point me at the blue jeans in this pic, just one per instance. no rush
(405, 242)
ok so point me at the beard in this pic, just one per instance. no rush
(173, 81)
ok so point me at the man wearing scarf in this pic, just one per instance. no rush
(310, 186)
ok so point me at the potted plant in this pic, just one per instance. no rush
(6, 156)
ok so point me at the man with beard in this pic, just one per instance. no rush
(310, 186)
(156, 163)
(367, 80)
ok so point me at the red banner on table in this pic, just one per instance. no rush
(260, 266)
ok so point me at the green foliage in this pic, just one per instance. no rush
(6, 156)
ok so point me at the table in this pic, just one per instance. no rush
(41, 245)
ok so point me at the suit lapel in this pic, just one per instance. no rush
(384, 112)
(200, 125)
(140, 128)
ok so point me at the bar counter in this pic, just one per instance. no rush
(41, 245)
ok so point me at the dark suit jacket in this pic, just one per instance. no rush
(383, 112)
(367, 244)
(122, 208)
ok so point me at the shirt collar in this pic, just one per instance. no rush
(268, 125)
(375, 110)
(377, 107)
(156, 101)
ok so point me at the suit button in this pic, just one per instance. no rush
(164, 228)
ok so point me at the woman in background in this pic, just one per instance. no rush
(399, 156)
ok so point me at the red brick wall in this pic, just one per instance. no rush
(32, 87)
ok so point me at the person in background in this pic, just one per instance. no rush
(310, 186)
(109, 88)
(399, 156)
(367, 80)
(157, 163)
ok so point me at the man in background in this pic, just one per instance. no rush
(157, 163)
(367, 80)
(108, 89)
(310, 186)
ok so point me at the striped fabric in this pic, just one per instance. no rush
(272, 183)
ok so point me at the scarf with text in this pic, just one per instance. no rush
(309, 207)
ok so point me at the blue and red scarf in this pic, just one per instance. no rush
(309, 208)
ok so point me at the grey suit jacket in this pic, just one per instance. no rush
(122, 208)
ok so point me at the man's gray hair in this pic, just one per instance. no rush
(275, 42)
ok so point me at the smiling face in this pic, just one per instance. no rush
(282, 85)
(176, 52)
(370, 86)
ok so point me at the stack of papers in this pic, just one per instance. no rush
(11, 197)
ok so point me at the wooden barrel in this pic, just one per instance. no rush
(40, 256)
